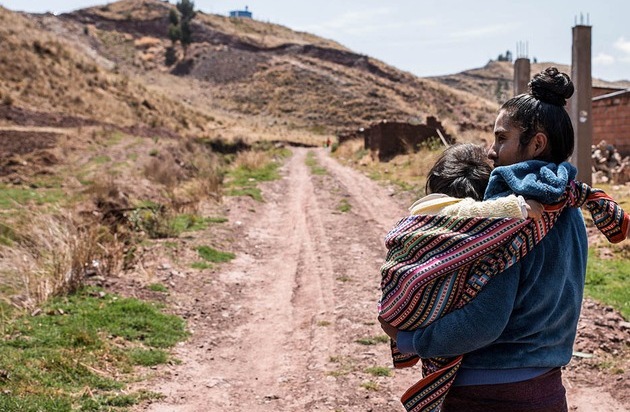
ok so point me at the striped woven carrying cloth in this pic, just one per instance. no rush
(436, 264)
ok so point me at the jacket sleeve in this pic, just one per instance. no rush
(474, 326)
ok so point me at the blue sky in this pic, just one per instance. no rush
(434, 37)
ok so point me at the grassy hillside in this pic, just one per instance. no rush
(257, 69)
(44, 73)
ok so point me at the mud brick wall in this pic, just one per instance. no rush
(387, 139)
(611, 121)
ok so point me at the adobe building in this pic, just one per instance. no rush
(387, 139)
(611, 119)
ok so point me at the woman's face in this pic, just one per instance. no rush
(506, 149)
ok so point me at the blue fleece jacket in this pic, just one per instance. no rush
(524, 319)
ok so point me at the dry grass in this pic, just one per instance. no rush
(164, 170)
(251, 159)
(408, 171)
(51, 254)
(53, 73)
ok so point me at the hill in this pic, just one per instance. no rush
(256, 70)
(494, 81)
(52, 80)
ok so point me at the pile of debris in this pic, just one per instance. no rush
(607, 164)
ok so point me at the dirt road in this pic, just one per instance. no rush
(289, 325)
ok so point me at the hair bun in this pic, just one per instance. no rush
(551, 86)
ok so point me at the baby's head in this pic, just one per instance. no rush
(463, 170)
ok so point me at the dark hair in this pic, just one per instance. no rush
(542, 110)
(461, 171)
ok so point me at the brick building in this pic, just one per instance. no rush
(611, 119)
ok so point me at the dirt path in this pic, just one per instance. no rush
(289, 325)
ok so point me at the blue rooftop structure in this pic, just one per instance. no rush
(241, 13)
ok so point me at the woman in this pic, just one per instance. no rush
(519, 331)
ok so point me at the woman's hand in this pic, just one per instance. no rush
(389, 329)
(534, 209)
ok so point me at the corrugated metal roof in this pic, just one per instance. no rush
(613, 94)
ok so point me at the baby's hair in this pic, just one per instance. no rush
(461, 171)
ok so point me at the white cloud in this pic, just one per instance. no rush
(623, 45)
(603, 59)
(355, 22)
(381, 20)
(483, 31)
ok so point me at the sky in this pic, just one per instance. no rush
(436, 37)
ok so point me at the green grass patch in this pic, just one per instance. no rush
(252, 192)
(379, 371)
(373, 340)
(607, 281)
(158, 223)
(212, 255)
(54, 359)
(7, 235)
(115, 138)
(344, 206)
(157, 287)
(344, 366)
(47, 181)
(100, 159)
(311, 162)
(370, 386)
(117, 402)
(15, 196)
(190, 223)
(243, 180)
(201, 265)
(244, 176)
(216, 219)
(147, 357)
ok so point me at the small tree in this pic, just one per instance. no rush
(179, 28)
(187, 10)
(174, 32)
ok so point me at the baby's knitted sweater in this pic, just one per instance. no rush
(437, 203)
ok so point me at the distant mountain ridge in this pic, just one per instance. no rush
(494, 81)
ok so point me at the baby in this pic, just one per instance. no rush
(456, 184)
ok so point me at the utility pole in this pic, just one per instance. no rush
(522, 70)
(580, 105)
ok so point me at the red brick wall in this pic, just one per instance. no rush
(611, 122)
